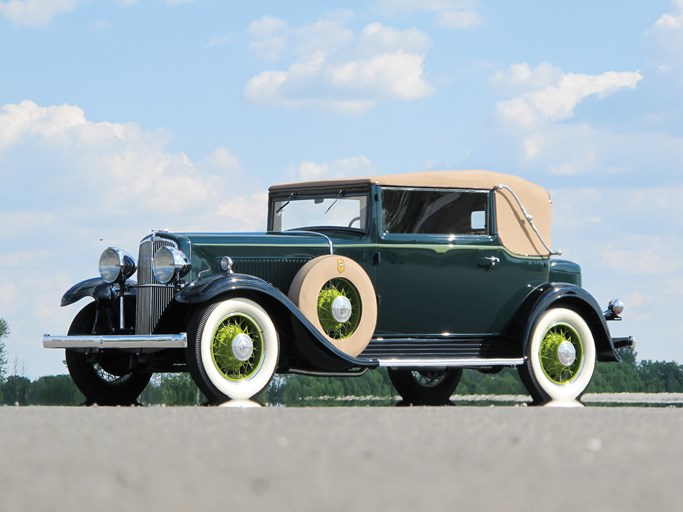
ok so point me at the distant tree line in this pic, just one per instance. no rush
(4, 332)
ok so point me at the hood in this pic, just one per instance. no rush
(205, 250)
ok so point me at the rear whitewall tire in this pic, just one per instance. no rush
(543, 372)
(425, 387)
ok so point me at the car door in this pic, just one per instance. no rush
(440, 267)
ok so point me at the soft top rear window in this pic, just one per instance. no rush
(434, 211)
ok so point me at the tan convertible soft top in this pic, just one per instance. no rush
(515, 230)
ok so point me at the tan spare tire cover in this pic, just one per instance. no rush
(326, 271)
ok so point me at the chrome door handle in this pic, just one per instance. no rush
(488, 262)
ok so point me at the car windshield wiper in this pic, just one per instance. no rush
(340, 194)
(289, 200)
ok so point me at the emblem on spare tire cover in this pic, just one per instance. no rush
(340, 266)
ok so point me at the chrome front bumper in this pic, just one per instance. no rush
(154, 341)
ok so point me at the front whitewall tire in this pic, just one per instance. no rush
(216, 382)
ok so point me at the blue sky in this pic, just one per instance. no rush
(117, 117)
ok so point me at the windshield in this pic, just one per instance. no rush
(335, 210)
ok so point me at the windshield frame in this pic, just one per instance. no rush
(280, 201)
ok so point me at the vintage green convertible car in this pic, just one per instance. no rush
(426, 274)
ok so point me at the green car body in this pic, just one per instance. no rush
(425, 279)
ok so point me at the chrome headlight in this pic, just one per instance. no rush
(614, 309)
(116, 265)
(170, 263)
(617, 306)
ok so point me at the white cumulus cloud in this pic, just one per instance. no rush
(35, 13)
(672, 20)
(395, 75)
(334, 69)
(534, 137)
(557, 94)
(68, 151)
(107, 169)
(521, 77)
(326, 35)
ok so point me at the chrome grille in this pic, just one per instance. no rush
(151, 300)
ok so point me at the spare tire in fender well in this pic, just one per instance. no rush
(327, 280)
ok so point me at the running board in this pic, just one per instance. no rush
(450, 363)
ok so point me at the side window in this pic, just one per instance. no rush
(442, 212)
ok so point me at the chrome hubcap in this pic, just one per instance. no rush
(341, 309)
(566, 353)
(242, 347)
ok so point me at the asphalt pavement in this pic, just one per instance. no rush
(341, 459)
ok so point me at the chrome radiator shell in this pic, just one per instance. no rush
(152, 297)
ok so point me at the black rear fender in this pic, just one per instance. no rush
(566, 295)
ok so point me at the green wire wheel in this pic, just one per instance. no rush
(561, 353)
(237, 347)
(339, 308)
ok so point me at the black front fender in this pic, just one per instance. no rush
(573, 297)
(208, 288)
(316, 348)
(97, 288)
